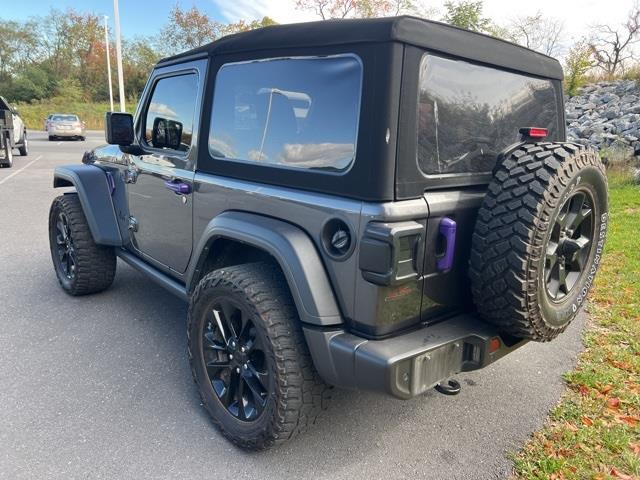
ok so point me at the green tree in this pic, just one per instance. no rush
(576, 65)
(467, 14)
(19, 46)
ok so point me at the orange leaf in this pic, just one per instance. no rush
(583, 389)
(606, 389)
(570, 426)
(613, 403)
(618, 474)
(629, 420)
(635, 448)
(587, 421)
(622, 365)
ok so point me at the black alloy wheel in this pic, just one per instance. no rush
(82, 266)
(569, 245)
(65, 249)
(249, 357)
(235, 360)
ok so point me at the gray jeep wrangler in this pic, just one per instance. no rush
(372, 204)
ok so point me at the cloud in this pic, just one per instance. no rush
(282, 11)
(256, 156)
(162, 109)
(220, 148)
(317, 155)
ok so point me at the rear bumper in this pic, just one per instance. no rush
(409, 364)
(75, 132)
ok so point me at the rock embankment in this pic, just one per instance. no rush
(606, 115)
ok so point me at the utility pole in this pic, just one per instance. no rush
(119, 55)
(106, 44)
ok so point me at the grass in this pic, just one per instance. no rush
(33, 114)
(594, 432)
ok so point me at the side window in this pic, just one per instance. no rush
(169, 118)
(291, 112)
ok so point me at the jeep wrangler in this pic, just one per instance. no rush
(373, 204)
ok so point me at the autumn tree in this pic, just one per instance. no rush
(537, 32)
(612, 47)
(187, 29)
(328, 9)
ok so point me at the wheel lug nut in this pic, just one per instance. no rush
(242, 349)
(237, 369)
(231, 356)
(245, 366)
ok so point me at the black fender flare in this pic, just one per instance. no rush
(291, 247)
(94, 191)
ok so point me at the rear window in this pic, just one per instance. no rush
(468, 113)
(288, 112)
(65, 118)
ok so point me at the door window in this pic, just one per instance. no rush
(169, 118)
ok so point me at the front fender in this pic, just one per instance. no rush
(94, 193)
(290, 247)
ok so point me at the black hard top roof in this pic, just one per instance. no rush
(434, 36)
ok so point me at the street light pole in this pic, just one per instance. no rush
(106, 44)
(119, 55)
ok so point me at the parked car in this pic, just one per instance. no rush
(46, 120)
(65, 126)
(374, 204)
(13, 134)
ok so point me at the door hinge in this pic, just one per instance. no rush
(133, 224)
(130, 175)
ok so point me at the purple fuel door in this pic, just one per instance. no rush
(447, 229)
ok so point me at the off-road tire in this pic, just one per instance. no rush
(512, 235)
(7, 161)
(297, 393)
(95, 265)
(24, 148)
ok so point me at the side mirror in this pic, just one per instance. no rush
(119, 128)
(166, 133)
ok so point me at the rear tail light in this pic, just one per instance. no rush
(534, 132)
(392, 253)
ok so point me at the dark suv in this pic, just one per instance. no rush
(373, 204)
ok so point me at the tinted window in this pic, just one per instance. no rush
(467, 114)
(294, 112)
(171, 110)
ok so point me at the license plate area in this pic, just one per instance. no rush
(430, 368)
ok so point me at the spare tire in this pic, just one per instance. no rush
(538, 238)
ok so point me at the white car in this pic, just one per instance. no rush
(65, 126)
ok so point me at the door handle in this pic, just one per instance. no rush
(178, 187)
(447, 229)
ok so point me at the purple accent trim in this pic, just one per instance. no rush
(178, 187)
(447, 228)
(111, 182)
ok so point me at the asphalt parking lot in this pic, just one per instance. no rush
(100, 387)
